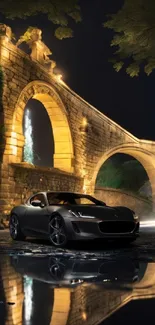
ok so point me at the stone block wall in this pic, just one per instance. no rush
(13, 290)
(96, 304)
(25, 179)
(113, 197)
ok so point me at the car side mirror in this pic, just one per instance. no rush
(36, 203)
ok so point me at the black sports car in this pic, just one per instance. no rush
(64, 216)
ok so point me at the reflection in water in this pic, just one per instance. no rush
(28, 296)
(13, 291)
(58, 291)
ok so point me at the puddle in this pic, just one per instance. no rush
(58, 290)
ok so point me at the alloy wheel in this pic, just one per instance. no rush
(57, 231)
(14, 226)
(57, 269)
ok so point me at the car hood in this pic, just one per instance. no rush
(105, 212)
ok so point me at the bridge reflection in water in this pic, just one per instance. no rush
(56, 291)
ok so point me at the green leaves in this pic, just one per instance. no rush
(76, 16)
(59, 12)
(149, 67)
(133, 70)
(121, 175)
(134, 28)
(63, 32)
(118, 65)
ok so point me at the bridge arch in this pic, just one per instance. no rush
(46, 94)
(142, 155)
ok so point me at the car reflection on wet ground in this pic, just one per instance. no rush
(60, 291)
(91, 285)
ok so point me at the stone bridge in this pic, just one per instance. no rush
(84, 138)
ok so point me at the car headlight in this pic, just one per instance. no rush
(135, 217)
(79, 215)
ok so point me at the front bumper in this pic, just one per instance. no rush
(91, 229)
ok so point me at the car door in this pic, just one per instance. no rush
(36, 216)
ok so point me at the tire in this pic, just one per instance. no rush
(15, 230)
(57, 231)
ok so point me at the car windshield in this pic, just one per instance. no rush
(72, 199)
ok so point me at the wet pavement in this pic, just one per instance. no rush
(86, 283)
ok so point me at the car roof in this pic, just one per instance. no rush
(60, 192)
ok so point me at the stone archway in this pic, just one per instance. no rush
(143, 156)
(43, 92)
(61, 308)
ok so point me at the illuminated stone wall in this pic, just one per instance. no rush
(118, 197)
(84, 138)
(96, 304)
(27, 180)
(13, 290)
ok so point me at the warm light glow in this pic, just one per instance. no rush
(84, 125)
(61, 307)
(84, 316)
(13, 297)
(59, 77)
(28, 147)
(83, 172)
(14, 150)
(84, 122)
(86, 185)
(84, 189)
(13, 135)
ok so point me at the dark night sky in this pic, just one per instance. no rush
(136, 312)
(83, 61)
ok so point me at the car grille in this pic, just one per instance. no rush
(116, 227)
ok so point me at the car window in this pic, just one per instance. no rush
(71, 199)
(39, 197)
(61, 198)
(84, 200)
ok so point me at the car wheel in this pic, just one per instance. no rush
(56, 269)
(15, 230)
(57, 231)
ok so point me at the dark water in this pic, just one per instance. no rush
(47, 290)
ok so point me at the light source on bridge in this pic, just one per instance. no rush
(84, 121)
(84, 316)
(83, 172)
(59, 78)
(84, 125)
